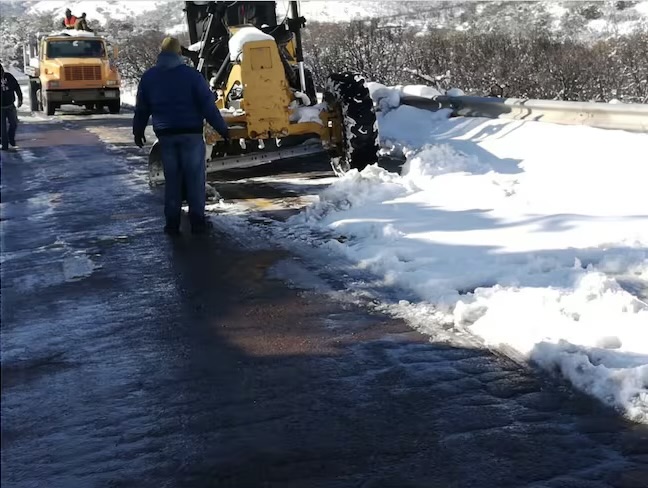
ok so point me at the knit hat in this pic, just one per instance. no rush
(171, 45)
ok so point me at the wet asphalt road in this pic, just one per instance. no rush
(130, 359)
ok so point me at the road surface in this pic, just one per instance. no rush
(132, 359)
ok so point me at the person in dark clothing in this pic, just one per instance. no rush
(82, 23)
(10, 89)
(179, 100)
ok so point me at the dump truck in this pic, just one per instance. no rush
(255, 66)
(72, 67)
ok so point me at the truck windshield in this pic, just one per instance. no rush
(76, 48)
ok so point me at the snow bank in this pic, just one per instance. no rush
(335, 10)
(100, 11)
(242, 37)
(521, 233)
(406, 127)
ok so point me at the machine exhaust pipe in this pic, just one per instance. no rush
(297, 23)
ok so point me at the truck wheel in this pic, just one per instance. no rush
(39, 99)
(114, 107)
(34, 105)
(90, 106)
(347, 94)
(48, 107)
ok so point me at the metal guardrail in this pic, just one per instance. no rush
(631, 117)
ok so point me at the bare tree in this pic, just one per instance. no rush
(138, 53)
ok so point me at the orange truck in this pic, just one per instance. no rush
(72, 67)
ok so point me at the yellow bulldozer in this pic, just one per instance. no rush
(255, 66)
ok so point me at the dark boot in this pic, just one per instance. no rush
(172, 228)
(200, 226)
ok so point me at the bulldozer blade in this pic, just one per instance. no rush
(156, 173)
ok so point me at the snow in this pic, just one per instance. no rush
(333, 11)
(73, 33)
(242, 37)
(392, 94)
(383, 97)
(343, 11)
(555, 9)
(420, 91)
(307, 114)
(642, 8)
(177, 29)
(522, 234)
(386, 98)
(455, 92)
(196, 46)
(128, 95)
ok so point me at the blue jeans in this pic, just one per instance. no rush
(9, 124)
(183, 160)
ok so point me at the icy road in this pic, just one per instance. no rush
(275, 352)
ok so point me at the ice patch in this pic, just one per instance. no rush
(77, 266)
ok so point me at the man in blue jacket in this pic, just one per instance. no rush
(179, 99)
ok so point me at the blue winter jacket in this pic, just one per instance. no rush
(177, 97)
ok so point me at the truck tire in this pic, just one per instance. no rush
(48, 107)
(114, 106)
(348, 94)
(34, 87)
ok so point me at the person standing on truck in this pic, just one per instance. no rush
(69, 21)
(10, 89)
(179, 100)
(82, 23)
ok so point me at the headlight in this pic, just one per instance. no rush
(112, 83)
(53, 84)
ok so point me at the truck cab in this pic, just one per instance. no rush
(72, 67)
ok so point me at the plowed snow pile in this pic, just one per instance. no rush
(529, 235)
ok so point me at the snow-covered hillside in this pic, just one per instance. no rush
(581, 17)
(96, 10)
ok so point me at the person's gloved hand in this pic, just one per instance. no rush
(140, 140)
(226, 138)
(19, 103)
